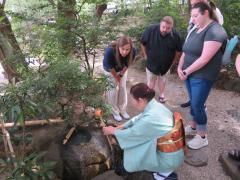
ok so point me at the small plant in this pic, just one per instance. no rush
(31, 167)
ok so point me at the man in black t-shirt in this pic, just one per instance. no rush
(161, 46)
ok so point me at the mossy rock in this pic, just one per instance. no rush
(228, 81)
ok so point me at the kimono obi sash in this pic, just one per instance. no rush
(175, 139)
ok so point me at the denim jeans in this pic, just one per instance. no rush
(198, 90)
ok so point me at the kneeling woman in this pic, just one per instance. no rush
(146, 138)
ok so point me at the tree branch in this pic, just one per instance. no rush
(2, 3)
(52, 3)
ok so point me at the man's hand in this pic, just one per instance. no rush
(144, 51)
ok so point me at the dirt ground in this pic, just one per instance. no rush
(223, 124)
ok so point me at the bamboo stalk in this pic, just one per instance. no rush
(7, 143)
(69, 134)
(99, 116)
(108, 140)
(10, 144)
(4, 138)
(34, 123)
(10, 147)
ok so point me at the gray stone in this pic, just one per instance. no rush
(108, 175)
(196, 158)
(230, 166)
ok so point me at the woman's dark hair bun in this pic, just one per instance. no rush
(141, 90)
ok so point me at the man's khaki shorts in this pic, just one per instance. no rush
(153, 77)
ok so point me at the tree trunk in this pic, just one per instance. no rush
(11, 55)
(122, 5)
(66, 23)
(189, 6)
(100, 9)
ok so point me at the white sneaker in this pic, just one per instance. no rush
(205, 107)
(189, 131)
(117, 117)
(125, 115)
(198, 142)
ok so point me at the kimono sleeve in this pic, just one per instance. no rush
(140, 132)
(130, 122)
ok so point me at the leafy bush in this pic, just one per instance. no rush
(31, 167)
(41, 93)
(230, 11)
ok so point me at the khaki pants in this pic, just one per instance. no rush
(117, 95)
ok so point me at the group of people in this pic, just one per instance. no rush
(199, 65)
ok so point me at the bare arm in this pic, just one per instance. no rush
(123, 70)
(210, 48)
(115, 75)
(109, 130)
(120, 126)
(238, 64)
(180, 65)
(177, 56)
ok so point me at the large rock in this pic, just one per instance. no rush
(228, 81)
(231, 167)
(85, 155)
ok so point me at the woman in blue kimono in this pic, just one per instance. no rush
(139, 136)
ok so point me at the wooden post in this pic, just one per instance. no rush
(4, 137)
(8, 143)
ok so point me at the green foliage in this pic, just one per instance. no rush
(136, 31)
(40, 31)
(230, 11)
(160, 9)
(40, 92)
(31, 167)
(16, 104)
(66, 79)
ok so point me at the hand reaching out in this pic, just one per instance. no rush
(109, 130)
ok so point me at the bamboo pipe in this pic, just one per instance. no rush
(4, 138)
(10, 147)
(34, 123)
(98, 115)
(69, 134)
(8, 143)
